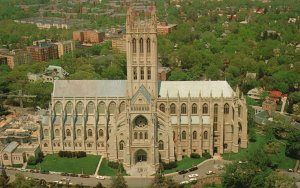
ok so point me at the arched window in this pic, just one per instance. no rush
(134, 45)
(149, 73)
(205, 135)
(226, 109)
(90, 108)
(216, 109)
(56, 132)
(5, 156)
(142, 73)
(141, 135)
(58, 107)
(174, 136)
(68, 132)
(134, 73)
(89, 145)
(46, 132)
(45, 145)
(90, 132)
(160, 145)
(173, 109)
(69, 107)
(240, 127)
(146, 135)
(78, 132)
(194, 108)
(121, 145)
(112, 107)
(205, 109)
(101, 133)
(141, 45)
(239, 110)
(101, 108)
(183, 108)
(79, 108)
(183, 135)
(122, 107)
(162, 107)
(148, 45)
(195, 135)
(135, 135)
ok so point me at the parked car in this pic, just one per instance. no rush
(64, 174)
(193, 169)
(183, 172)
(184, 182)
(100, 177)
(84, 176)
(193, 180)
(193, 175)
(210, 172)
(290, 170)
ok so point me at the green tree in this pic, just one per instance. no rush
(99, 185)
(293, 145)
(118, 182)
(279, 180)
(4, 179)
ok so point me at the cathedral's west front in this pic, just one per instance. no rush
(142, 118)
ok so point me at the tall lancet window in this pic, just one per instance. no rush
(134, 73)
(148, 46)
(141, 46)
(149, 73)
(134, 45)
(142, 73)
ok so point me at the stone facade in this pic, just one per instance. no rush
(142, 118)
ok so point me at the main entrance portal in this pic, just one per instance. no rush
(140, 155)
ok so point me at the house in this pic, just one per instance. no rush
(255, 93)
(18, 154)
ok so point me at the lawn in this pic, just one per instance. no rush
(105, 170)
(185, 163)
(280, 158)
(53, 162)
(213, 186)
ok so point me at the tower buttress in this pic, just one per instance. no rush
(141, 44)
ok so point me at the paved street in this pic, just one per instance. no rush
(132, 181)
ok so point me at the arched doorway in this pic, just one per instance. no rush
(140, 155)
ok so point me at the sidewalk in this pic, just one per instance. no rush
(98, 167)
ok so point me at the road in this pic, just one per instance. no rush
(132, 181)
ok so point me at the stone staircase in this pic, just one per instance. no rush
(141, 169)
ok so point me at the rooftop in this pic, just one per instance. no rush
(11, 147)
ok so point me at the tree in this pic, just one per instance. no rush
(4, 179)
(158, 180)
(239, 175)
(279, 180)
(118, 182)
(99, 185)
(293, 145)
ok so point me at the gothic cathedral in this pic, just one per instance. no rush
(142, 119)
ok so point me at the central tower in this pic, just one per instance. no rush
(141, 43)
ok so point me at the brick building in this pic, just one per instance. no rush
(65, 47)
(14, 57)
(88, 36)
(163, 28)
(43, 51)
(119, 43)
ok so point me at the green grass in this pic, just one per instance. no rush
(53, 162)
(283, 161)
(185, 163)
(105, 170)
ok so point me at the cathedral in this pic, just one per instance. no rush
(143, 119)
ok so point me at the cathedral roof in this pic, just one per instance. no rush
(194, 88)
(89, 88)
